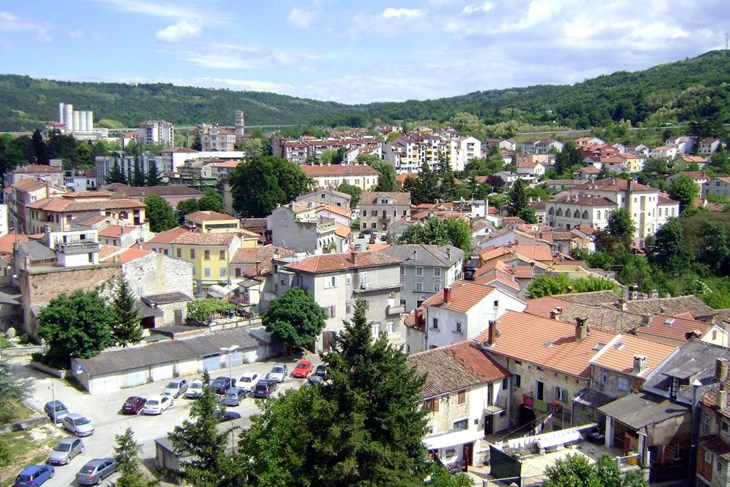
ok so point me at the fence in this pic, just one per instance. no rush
(235, 322)
(524, 481)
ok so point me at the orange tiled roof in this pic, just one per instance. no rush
(36, 168)
(197, 238)
(464, 296)
(543, 306)
(342, 262)
(113, 231)
(7, 241)
(30, 185)
(337, 170)
(111, 253)
(339, 210)
(342, 230)
(548, 343)
(619, 354)
(168, 236)
(672, 327)
(204, 216)
(68, 205)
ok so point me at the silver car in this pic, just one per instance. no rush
(78, 425)
(95, 471)
(65, 450)
(175, 388)
(195, 389)
(278, 373)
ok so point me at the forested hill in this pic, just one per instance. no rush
(683, 91)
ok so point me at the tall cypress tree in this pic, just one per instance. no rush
(116, 175)
(138, 176)
(126, 328)
(153, 176)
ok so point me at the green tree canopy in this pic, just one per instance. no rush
(212, 201)
(153, 176)
(621, 227)
(185, 207)
(202, 310)
(294, 318)
(126, 327)
(353, 191)
(159, 213)
(77, 325)
(386, 178)
(668, 250)
(126, 454)
(685, 190)
(454, 231)
(549, 284)
(13, 388)
(116, 175)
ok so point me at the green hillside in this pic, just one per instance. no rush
(685, 91)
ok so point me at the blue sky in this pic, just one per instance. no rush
(352, 51)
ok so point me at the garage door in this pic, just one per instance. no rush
(236, 358)
(161, 372)
(104, 384)
(137, 377)
(212, 362)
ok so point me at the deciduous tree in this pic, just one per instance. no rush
(202, 310)
(159, 213)
(685, 190)
(186, 207)
(386, 176)
(212, 201)
(294, 318)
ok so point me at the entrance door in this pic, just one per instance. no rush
(468, 448)
(488, 424)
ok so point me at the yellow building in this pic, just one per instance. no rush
(209, 253)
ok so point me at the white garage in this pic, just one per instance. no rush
(104, 384)
(162, 371)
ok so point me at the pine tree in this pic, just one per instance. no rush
(126, 328)
(138, 178)
(126, 454)
(153, 176)
(116, 175)
(40, 149)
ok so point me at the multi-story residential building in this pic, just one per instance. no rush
(408, 153)
(712, 461)
(310, 149)
(209, 253)
(541, 146)
(466, 399)
(683, 143)
(379, 210)
(213, 222)
(362, 176)
(708, 146)
(174, 157)
(156, 132)
(298, 227)
(337, 280)
(425, 270)
(219, 170)
(214, 139)
(549, 361)
(252, 269)
(462, 311)
(21, 194)
(172, 194)
(591, 203)
(81, 180)
(717, 186)
(328, 196)
(57, 212)
(126, 163)
(633, 162)
(52, 174)
(664, 152)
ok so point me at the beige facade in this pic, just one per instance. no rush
(379, 210)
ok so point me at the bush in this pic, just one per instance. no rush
(24, 339)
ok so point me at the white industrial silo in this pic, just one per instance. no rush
(90, 121)
(68, 118)
(82, 121)
(60, 113)
(76, 121)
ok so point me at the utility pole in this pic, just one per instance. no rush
(53, 401)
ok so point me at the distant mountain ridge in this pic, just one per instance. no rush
(676, 92)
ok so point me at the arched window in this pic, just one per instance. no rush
(567, 212)
(585, 214)
(551, 211)
(560, 212)
(576, 214)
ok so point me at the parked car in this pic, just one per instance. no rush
(195, 389)
(65, 450)
(33, 475)
(278, 373)
(56, 409)
(133, 405)
(227, 415)
(157, 404)
(264, 389)
(314, 379)
(321, 371)
(248, 381)
(384, 238)
(361, 235)
(303, 368)
(373, 239)
(78, 424)
(221, 384)
(95, 471)
(233, 397)
(366, 231)
(175, 388)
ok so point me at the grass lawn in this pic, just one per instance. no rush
(26, 448)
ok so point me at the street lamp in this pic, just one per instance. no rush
(229, 350)
(53, 401)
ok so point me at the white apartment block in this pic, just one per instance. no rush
(156, 132)
(408, 153)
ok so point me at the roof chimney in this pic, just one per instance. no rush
(415, 255)
(492, 337)
(580, 329)
(353, 255)
(721, 397)
(258, 268)
(721, 367)
(645, 320)
(448, 253)
(447, 295)
(556, 312)
(639, 364)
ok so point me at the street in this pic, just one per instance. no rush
(104, 411)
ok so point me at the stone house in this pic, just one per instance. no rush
(378, 210)
(298, 227)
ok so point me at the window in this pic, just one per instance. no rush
(238, 272)
(375, 212)
(540, 390)
(389, 326)
(419, 271)
(402, 270)
(329, 311)
(192, 253)
(460, 425)
(725, 427)
(436, 272)
(518, 380)
(496, 303)
(206, 272)
(375, 330)
(222, 254)
(674, 388)
(436, 286)
(364, 212)
(604, 377)
(705, 424)
(330, 282)
(419, 285)
(363, 277)
(560, 212)
(206, 256)
(461, 397)
(223, 272)
(623, 384)
(559, 394)
(179, 253)
(431, 405)
(435, 323)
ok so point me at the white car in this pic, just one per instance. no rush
(175, 388)
(157, 404)
(278, 373)
(195, 389)
(78, 425)
(248, 381)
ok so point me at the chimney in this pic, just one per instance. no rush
(721, 367)
(258, 268)
(645, 320)
(448, 254)
(580, 329)
(721, 398)
(415, 255)
(556, 312)
(447, 295)
(639, 363)
(353, 255)
(492, 333)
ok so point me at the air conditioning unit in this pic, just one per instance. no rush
(363, 285)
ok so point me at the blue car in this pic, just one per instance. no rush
(34, 475)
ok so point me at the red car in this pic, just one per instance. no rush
(133, 405)
(303, 369)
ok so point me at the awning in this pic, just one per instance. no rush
(216, 291)
(452, 438)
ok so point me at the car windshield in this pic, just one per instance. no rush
(173, 385)
(62, 447)
(231, 394)
(245, 379)
(221, 380)
(129, 403)
(23, 478)
(88, 469)
(58, 407)
(278, 369)
(81, 420)
(196, 385)
(301, 366)
(153, 402)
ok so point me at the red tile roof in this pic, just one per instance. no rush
(619, 354)
(204, 216)
(36, 168)
(168, 236)
(113, 231)
(464, 296)
(343, 262)
(548, 343)
(205, 239)
(672, 327)
(8, 240)
(337, 170)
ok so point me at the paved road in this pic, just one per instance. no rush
(104, 412)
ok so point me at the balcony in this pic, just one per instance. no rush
(395, 310)
(78, 247)
(500, 405)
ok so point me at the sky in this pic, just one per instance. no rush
(353, 51)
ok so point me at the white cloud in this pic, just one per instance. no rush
(228, 56)
(76, 34)
(12, 23)
(402, 13)
(483, 7)
(178, 32)
(203, 12)
(302, 18)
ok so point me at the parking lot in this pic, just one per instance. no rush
(105, 411)
(362, 243)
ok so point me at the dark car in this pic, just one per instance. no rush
(33, 475)
(221, 384)
(226, 415)
(233, 396)
(366, 231)
(133, 405)
(56, 410)
(95, 471)
(373, 239)
(264, 389)
(321, 371)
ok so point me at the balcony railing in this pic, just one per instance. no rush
(78, 247)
